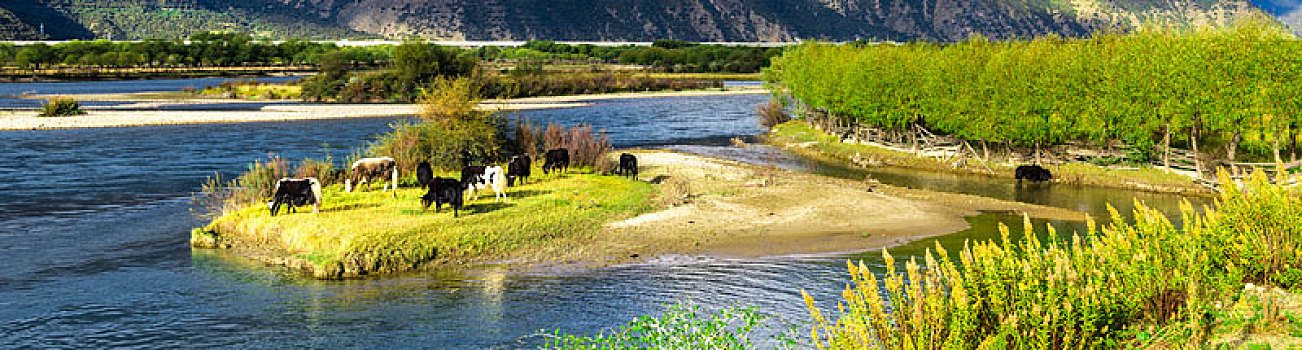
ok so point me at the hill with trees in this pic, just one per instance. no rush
(630, 20)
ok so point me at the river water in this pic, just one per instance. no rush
(94, 244)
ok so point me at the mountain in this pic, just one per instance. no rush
(606, 20)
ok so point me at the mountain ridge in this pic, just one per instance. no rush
(595, 20)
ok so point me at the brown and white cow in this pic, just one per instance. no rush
(366, 170)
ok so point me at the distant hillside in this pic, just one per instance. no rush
(622, 20)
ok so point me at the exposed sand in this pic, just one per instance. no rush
(147, 111)
(741, 210)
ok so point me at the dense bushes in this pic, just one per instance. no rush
(1227, 87)
(1086, 291)
(557, 84)
(61, 107)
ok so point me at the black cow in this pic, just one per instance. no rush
(1034, 173)
(443, 190)
(472, 175)
(556, 160)
(519, 168)
(424, 174)
(295, 193)
(628, 165)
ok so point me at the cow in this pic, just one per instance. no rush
(628, 165)
(424, 174)
(472, 178)
(443, 190)
(1033, 173)
(556, 160)
(519, 168)
(295, 193)
(495, 178)
(367, 169)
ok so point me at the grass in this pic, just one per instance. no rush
(367, 232)
(724, 76)
(257, 91)
(799, 137)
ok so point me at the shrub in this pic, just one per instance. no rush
(587, 147)
(680, 327)
(771, 114)
(61, 107)
(1088, 291)
(450, 129)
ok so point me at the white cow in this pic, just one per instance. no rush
(495, 178)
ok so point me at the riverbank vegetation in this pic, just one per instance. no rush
(802, 138)
(1144, 97)
(1101, 288)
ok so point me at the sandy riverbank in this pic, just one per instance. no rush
(143, 110)
(730, 210)
(742, 210)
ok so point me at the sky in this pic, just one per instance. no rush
(1278, 7)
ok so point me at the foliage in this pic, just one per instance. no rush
(201, 50)
(587, 146)
(450, 129)
(772, 114)
(679, 327)
(1218, 86)
(1085, 291)
(558, 84)
(61, 107)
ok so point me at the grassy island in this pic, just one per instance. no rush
(371, 232)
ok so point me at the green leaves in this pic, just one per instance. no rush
(1221, 83)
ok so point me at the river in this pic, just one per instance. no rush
(94, 238)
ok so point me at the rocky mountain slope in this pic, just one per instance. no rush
(611, 20)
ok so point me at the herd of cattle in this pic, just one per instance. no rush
(440, 190)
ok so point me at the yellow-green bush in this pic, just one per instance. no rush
(1087, 291)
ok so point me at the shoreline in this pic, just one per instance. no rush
(733, 210)
(148, 112)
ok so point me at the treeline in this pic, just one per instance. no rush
(1227, 90)
(663, 55)
(202, 50)
(415, 65)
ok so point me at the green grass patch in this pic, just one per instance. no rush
(367, 232)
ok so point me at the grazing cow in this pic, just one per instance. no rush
(295, 193)
(495, 178)
(424, 174)
(1034, 173)
(628, 165)
(472, 178)
(367, 169)
(443, 190)
(556, 160)
(519, 168)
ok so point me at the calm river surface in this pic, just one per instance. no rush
(94, 244)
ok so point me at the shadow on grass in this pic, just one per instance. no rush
(354, 206)
(481, 208)
(527, 193)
